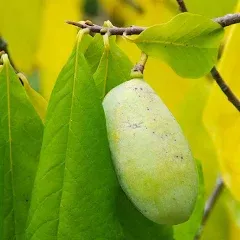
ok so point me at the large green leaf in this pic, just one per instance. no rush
(189, 43)
(114, 68)
(20, 144)
(94, 52)
(138, 227)
(75, 187)
(187, 230)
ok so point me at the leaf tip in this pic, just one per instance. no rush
(5, 58)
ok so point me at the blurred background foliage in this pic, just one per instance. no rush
(40, 41)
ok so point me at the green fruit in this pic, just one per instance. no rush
(151, 156)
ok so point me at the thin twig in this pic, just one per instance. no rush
(228, 19)
(224, 21)
(209, 206)
(134, 30)
(182, 6)
(225, 88)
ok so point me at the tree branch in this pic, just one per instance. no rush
(133, 30)
(228, 19)
(225, 88)
(224, 21)
(182, 5)
(211, 202)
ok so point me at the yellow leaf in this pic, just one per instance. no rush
(20, 25)
(233, 208)
(57, 39)
(222, 119)
(38, 102)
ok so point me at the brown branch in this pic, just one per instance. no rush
(228, 19)
(182, 5)
(224, 21)
(225, 88)
(209, 206)
(133, 30)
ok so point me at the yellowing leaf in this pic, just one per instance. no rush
(20, 25)
(222, 119)
(57, 39)
(37, 100)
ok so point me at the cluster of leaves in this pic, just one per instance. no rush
(58, 181)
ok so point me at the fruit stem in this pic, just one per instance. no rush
(138, 69)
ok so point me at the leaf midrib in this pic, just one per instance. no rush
(72, 99)
(10, 143)
(106, 73)
(175, 44)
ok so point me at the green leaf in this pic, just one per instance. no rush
(20, 141)
(114, 68)
(94, 52)
(187, 230)
(76, 186)
(138, 227)
(188, 43)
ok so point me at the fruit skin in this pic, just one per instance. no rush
(150, 153)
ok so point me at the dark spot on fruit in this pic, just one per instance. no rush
(147, 108)
(175, 140)
(181, 157)
(136, 88)
(153, 132)
(141, 88)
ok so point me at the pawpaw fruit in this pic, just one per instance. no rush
(150, 154)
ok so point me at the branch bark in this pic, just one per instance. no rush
(182, 5)
(225, 88)
(224, 21)
(209, 206)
